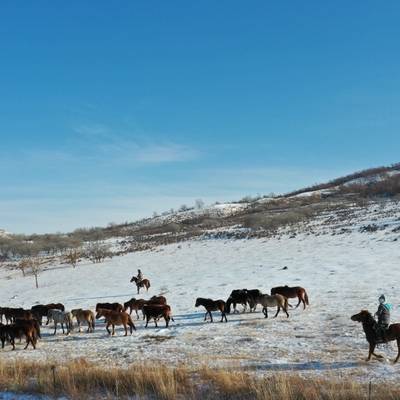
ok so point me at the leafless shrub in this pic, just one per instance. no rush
(36, 267)
(73, 257)
(97, 252)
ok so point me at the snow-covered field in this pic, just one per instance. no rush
(342, 274)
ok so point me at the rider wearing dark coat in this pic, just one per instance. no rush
(139, 275)
(383, 316)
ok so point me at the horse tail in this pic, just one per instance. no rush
(131, 324)
(228, 305)
(148, 285)
(306, 298)
(37, 327)
(286, 302)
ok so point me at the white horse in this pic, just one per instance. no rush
(60, 317)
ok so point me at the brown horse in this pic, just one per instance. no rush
(142, 283)
(110, 306)
(369, 326)
(157, 311)
(292, 292)
(116, 318)
(84, 316)
(134, 305)
(12, 332)
(212, 305)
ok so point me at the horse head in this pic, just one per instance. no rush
(134, 279)
(363, 316)
(198, 302)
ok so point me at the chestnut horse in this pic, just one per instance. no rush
(292, 292)
(139, 284)
(212, 305)
(116, 318)
(369, 326)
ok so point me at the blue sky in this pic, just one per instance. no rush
(110, 111)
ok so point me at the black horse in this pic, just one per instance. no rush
(244, 297)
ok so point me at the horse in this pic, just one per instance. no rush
(30, 322)
(212, 305)
(141, 283)
(369, 326)
(275, 300)
(157, 311)
(134, 304)
(41, 310)
(11, 314)
(110, 306)
(116, 318)
(237, 296)
(12, 332)
(60, 317)
(244, 297)
(292, 292)
(84, 316)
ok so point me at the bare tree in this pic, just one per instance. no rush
(199, 204)
(73, 257)
(183, 207)
(23, 265)
(98, 251)
(36, 266)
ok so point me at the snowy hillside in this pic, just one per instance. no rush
(345, 259)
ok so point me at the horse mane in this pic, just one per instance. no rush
(369, 317)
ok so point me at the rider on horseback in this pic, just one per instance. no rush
(139, 276)
(383, 315)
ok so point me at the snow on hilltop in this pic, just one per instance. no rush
(344, 259)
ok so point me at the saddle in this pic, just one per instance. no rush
(380, 334)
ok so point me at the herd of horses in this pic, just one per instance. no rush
(26, 324)
(21, 323)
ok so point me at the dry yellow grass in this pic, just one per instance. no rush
(79, 379)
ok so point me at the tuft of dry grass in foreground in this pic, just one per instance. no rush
(79, 379)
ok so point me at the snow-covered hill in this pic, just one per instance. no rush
(345, 259)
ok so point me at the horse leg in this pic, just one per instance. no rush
(304, 302)
(126, 330)
(398, 351)
(277, 312)
(205, 316)
(62, 326)
(265, 311)
(211, 316)
(138, 289)
(55, 328)
(147, 322)
(137, 314)
(371, 351)
(298, 302)
(155, 321)
(107, 327)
